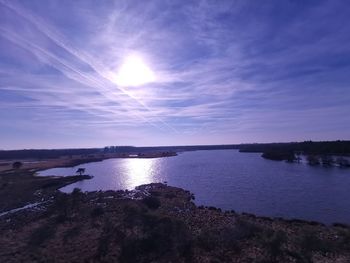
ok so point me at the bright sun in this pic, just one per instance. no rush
(134, 72)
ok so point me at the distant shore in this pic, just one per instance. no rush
(74, 160)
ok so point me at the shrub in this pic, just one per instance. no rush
(60, 207)
(341, 225)
(76, 191)
(224, 238)
(42, 234)
(273, 242)
(313, 160)
(170, 195)
(310, 242)
(245, 229)
(151, 202)
(17, 165)
(227, 238)
(155, 193)
(105, 239)
(133, 215)
(97, 211)
(342, 162)
(72, 232)
(163, 240)
(344, 240)
(279, 156)
(327, 160)
(76, 196)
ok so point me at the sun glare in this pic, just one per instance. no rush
(139, 171)
(134, 72)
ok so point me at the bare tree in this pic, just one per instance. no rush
(80, 171)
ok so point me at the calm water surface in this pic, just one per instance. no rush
(228, 179)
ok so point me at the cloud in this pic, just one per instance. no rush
(223, 69)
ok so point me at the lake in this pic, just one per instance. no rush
(244, 182)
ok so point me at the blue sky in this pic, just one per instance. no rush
(225, 72)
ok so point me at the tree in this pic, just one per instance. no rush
(298, 157)
(17, 165)
(342, 162)
(313, 160)
(290, 157)
(327, 160)
(80, 171)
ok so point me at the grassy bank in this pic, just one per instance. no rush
(18, 188)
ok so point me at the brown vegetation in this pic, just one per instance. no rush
(163, 227)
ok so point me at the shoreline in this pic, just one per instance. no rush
(49, 185)
(19, 188)
(71, 161)
(53, 183)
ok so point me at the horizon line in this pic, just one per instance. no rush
(164, 146)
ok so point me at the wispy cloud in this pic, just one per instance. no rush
(226, 72)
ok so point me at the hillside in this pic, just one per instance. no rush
(159, 223)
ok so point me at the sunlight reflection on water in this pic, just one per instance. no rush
(138, 171)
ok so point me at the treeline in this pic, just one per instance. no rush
(328, 160)
(132, 149)
(307, 147)
(331, 153)
(45, 154)
(271, 150)
(56, 153)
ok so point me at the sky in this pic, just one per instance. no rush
(143, 73)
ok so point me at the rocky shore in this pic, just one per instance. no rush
(160, 223)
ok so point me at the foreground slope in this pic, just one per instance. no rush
(159, 223)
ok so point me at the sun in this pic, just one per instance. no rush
(134, 72)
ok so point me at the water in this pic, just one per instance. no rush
(228, 179)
